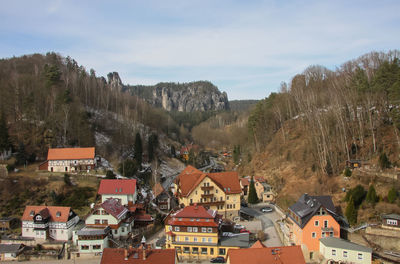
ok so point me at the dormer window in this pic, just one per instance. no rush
(116, 190)
(58, 214)
(120, 189)
(32, 213)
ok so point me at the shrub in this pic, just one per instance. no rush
(347, 172)
(392, 195)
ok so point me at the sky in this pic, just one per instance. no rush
(245, 48)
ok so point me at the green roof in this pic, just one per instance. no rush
(334, 242)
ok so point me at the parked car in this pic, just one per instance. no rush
(244, 231)
(239, 226)
(218, 260)
(227, 234)
(266, 209)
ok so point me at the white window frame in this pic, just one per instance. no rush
(313, 235)
(344, 253)
(333, 252)
(316, 223)
(359, 256)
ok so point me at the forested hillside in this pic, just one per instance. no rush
(344, 111)
(48, 100)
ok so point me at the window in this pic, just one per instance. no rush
(186, 250)
(391, 222)
(27, 229)
(360, 256)
(313, 235)
(204, 239)
(66, 168)
(191, 201)
(84, 247)
(195, 228)
(345, 254)
(177, 228)
(333, 252)
(227, 197)
(216, 190)
(331, 234)
(311, 255)
(316, 223)
(177, 238)
(204, 229)
(96, 247)
(210, 240)
(187, 239)
(326, 223)
(220, 198)
(189, 229)
(104, 222)
(323, 234)
(97, 221)
(58, 214)
(211, 251)
(123, 229)
(221, 251)
(178, 249)
(115, 231)
(62, 231)
(195, 239)
(204, 251)
(209, 230)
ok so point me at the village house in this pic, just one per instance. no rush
(337, 250)
(391, 221)
(44, 222)
(10, 251)
(142, 255)
(8, 223)
(161, 197)
(260, 254)
(312, 218)
(263, 190)
(193, 233)
(69, 160)
(122, 189)
(244, 185)
(217, 191)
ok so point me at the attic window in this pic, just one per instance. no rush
(32, 213)
(116, 189)
(58, 214)
(120, 189)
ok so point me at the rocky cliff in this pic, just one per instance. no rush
(114, 81)
(185, 97)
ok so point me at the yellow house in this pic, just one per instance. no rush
(193, 233)
(216, 191)
(264, 190)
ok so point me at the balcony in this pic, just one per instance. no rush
(327, 229)
(206, 196)
(215, 203)
(207, 188)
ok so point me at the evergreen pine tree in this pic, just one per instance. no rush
(4, 137)
(392, 195)
(252, 198)
(351, 212)
(138, 150)
(384, 161)
(371, 195)
(152, 146)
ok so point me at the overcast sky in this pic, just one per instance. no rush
(246, 48)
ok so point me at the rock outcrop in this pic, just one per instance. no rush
(185, 97)
(114, 81)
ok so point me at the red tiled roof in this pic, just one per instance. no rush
(143, 217)
(135, 256)
(70, 153)
(272, 255)
(258, 244)
(259, 179)
(114, 208)
(191, 177)
(192, 223)
(52, 210)
(244, 181)
(123, 186)
(157, 189)
(195, 211)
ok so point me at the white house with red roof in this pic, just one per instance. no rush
(122, 189)
(69, 159)
(44, 222)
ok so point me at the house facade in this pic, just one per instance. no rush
(337, 250)
(122, 189)
(69, 160)
(216, 191)
(193, 233)
(91, 241)
(312, 218)
(141, 255)
(263, 190)
(391, 221)
(10, 251)
(44, 222)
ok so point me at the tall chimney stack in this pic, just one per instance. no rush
(126, 254)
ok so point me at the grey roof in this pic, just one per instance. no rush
(307, 206)
(93, 231)
(391, 216)
(10, 248)
(239, 240)
(335, 242)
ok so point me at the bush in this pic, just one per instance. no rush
(347, 172)
(371, 195)
(110, 174)
(357, 194)
(351, 212)
(384, 161)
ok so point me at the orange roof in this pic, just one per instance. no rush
(32, 210)
(191, 177)
(70, 153)
(117, 186)
(244, 181)
(272, 255)
(135, 256)
(157, 189)
(258, 244)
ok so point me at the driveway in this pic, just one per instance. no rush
(267, 220)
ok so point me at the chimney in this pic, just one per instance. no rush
(126, 254)
(144, 253)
